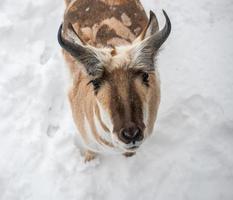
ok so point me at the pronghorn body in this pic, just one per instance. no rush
(116, 97)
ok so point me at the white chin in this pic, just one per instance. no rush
(132, 147)
(127, 147)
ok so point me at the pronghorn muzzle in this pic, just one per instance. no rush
(131, 134)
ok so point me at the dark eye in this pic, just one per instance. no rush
(145, 78)
(96, 84)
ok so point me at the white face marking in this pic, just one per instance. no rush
(105, 117)
(92, 142)
(101, 132)
(145, 113)
(94, 145)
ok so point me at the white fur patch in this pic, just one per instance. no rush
(92, 142)
(101, 132)
(95, 145)
(105, 117)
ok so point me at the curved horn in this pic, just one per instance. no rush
(83, 54)
(143, 53)
(160, 37)
(74, 49)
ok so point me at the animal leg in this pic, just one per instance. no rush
(89, 155)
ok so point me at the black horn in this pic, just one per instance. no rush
(160, 37)
(83, 54)
(146, 50)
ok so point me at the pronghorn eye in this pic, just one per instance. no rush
(96, 84)
(145, 78)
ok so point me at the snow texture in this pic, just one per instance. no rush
(189, 157)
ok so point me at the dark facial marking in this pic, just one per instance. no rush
(96, 84)
(145, 79)
(124, 110)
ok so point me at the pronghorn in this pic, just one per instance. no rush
(110, 47)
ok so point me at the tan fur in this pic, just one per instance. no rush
(119, 30)
(84, 107)
(89, 155)
(154, 99)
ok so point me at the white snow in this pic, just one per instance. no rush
(190, 156)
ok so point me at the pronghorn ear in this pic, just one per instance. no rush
(90, 57)
(143, 52)
(151, 28)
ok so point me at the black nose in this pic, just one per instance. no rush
(131, 134)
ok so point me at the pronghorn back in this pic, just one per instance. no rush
(106, 22)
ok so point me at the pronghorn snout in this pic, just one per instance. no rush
(131, 134)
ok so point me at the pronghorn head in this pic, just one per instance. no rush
(124, 81)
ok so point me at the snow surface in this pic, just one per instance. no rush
(190, 156)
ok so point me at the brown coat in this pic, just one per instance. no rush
(122, 98)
